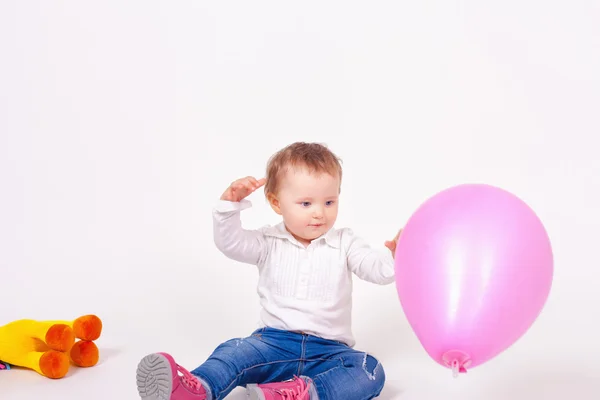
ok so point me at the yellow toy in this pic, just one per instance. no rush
(49, 347)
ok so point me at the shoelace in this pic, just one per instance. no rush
(189, 380)
(296, 393)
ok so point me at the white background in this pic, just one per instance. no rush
(121, 123)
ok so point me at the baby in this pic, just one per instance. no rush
(304, 346)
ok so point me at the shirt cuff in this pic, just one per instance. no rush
(388, 270)
(225, 206)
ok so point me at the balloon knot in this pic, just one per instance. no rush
(457, 360)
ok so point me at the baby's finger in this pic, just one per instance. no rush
(243, 190)
(249, 186)
(242, 184)
(228, 194)
(249, 182)
(238, 186)
(254, 182)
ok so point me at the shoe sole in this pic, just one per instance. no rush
(254, 393)
(154, 378)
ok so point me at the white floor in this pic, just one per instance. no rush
(530, 371)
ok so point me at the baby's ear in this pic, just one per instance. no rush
(274, 202)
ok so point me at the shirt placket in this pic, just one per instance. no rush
(304, 273)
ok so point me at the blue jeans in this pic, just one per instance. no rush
(335, 370)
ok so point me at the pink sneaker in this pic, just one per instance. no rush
(295, 389)
(158, 379)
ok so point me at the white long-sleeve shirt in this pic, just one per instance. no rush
(305, 289)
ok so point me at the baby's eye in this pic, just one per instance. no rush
(330, 202)
(305, 203)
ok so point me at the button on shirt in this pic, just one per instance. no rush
(304, 289)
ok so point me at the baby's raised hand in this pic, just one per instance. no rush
(241, 188)
(391, 244)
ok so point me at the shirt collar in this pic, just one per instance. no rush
(331, 237)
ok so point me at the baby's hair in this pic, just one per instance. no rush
(315, 156)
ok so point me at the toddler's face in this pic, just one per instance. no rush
(308, 203)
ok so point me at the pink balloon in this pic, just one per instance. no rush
(474, 269)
